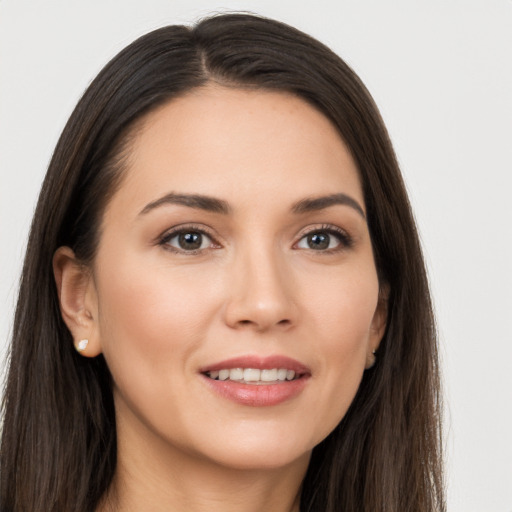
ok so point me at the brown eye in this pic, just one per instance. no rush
(324, 240)
(318, 241)
(189, 241)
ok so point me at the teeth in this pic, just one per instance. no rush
(281, 374)
(253, 375)
(269, 375)
(236, 374)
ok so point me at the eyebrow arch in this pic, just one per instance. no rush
(215, 205)
(210, 204)
(319, 203)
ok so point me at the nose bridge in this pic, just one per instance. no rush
(261, 293)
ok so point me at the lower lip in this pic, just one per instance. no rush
(257, 395)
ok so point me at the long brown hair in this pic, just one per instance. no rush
(58, 448)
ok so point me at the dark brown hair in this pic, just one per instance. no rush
(58, 449)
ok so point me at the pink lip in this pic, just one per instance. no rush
(258, 363)
(255, 395)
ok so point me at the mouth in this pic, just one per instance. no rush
(257, 381)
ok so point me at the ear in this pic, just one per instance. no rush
(78, 301)
(378, 326)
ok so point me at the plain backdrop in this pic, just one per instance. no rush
(441, 73)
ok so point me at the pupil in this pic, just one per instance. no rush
(190, 241)
(318, 241)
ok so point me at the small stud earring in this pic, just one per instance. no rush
(82, 345)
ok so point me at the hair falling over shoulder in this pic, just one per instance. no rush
(58, 446)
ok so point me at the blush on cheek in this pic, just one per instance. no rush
(148, 312)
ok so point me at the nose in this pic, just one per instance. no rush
(260, 295)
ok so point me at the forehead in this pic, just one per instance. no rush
(238, 144)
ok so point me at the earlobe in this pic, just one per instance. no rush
(78, 301)
(371, 358)
(378, 327)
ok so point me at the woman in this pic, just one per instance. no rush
(224, 237)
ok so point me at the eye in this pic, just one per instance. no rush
(187, 240)
(324, 240)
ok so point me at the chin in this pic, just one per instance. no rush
(259, 453)
(263, 460)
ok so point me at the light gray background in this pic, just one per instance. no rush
(441, 72)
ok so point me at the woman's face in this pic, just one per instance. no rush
(235, 252)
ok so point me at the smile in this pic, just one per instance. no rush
(257, 381)
(254, 375)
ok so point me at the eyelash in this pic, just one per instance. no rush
(344, 239)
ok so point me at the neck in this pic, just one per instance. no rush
(159, 477)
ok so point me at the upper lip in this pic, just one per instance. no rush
(258, 363)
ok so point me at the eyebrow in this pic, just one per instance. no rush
(212, 204)
(319, 203)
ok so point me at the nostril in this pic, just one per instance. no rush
(284, 323)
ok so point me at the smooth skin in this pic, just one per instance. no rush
(256, 269)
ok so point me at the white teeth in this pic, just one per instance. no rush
(236, 374)
(281, 374)
(269, 375)
(253, 375)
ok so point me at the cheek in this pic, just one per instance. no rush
(153, 319)
(343, 308)
(148, 310)
(342, 319)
